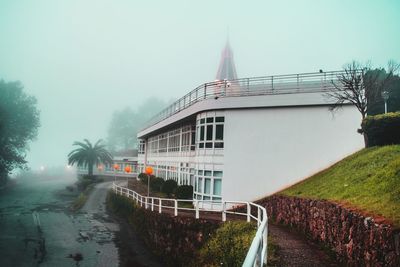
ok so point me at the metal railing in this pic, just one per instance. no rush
(267, 85)
(257, 254)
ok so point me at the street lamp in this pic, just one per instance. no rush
(148, 171)
(385, 96)
(128, 169)
(116, 168)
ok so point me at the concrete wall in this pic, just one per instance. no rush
(271, 148)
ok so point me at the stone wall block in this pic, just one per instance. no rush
(357, 240)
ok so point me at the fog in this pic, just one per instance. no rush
(85, 59)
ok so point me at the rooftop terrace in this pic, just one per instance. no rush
(254, 86)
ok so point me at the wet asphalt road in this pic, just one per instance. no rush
(37, 229)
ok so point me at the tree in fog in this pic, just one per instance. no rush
(19, 123)
(126, 123)
(362, 86)
(88, 155)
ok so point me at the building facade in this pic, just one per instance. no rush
(247, 138)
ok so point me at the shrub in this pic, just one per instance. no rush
(229, 245)
(184, 192)
(143, 178)
(383, 129)
(156, 183)
(169, 187)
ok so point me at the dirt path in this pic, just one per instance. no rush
(295, 251)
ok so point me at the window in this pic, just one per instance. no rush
(217, 187)
(220, 119)
(210, 132)
(219, 132)
(209, 184)
(201, 133)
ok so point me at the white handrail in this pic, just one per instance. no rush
(257, 254)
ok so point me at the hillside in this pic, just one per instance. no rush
(368, 181)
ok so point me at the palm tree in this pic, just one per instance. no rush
(88, 155)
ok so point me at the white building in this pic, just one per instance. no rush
(124, 166)
(244, 139)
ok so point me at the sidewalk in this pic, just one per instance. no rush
(295, 251)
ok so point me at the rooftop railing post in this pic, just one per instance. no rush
(298, 78)
(225, 81)
(205, 91)
(272, 83)
(248, 86)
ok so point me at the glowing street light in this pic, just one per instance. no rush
(116, 168)
(128, 169)
(385, 96)
(100, 168)
(148, 171)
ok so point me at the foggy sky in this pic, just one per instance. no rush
(85, 59)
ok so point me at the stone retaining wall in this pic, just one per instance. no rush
(355, 239)
(176, 240)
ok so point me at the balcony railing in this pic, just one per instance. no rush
(268, 85)
(257, 254)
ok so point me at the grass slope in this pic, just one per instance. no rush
(368, 180)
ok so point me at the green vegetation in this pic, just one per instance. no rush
(382, 129)
(368, 181)
(79, 202)
(229, 245)
(19, 123)
(184, 192)
(169, 187)
(88, 155)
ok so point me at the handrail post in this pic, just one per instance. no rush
(176, 208)
(224, 211)
(265, 242)
(152, 204)
(145, 203)
(248, 211)
(197, 209)
(159, 205)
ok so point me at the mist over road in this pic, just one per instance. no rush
(37, 229)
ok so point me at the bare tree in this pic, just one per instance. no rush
(358, 84)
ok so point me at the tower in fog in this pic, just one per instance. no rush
(226, 69)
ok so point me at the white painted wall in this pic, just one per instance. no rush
(268, 149)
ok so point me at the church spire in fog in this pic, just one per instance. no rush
(226, 69)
